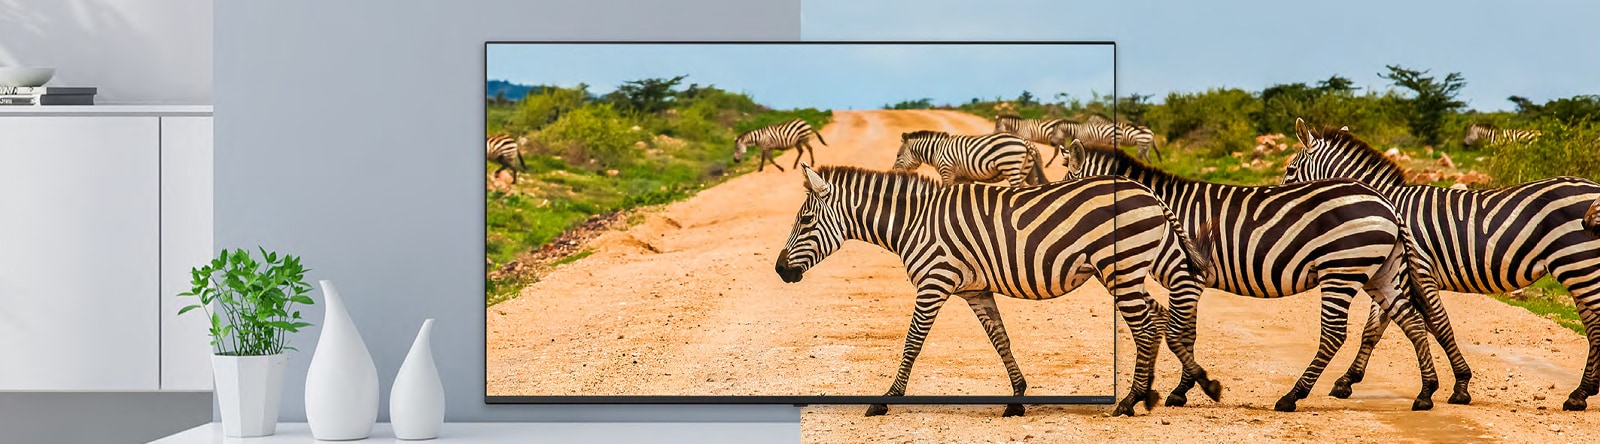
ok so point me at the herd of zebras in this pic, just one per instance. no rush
(1343, 221)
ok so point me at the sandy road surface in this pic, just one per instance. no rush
(687, 303)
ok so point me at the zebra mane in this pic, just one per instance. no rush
(845, 173)
(1487, 126)
(926, 134)
(1341, 138)
(1135, 167)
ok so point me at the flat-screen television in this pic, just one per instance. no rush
(639, 195)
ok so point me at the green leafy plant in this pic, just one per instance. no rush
(253, 300)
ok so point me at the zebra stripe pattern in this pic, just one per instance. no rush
(1032, 130)
(1489, 134)
(961, 159)
(1339, 236)
(795, 134)
(1102, 134)
(1481, 241)
(502, 149)
(976, 241)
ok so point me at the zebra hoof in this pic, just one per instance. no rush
(1422, 404)
(1341, 389)
(1012, 410)
(1124, 408)
(1213, 389)
(877, 410)
(1151, 398)
(1177, 400)
(1286, 403)
(1460, 397)
(1575, 405)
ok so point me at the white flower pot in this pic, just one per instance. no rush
(416, 402)
(342, 383)
(248, 390)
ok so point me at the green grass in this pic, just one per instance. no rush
(572, 258)
(1548, 299)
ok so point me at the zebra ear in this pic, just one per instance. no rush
(814, 182)
(1302, 131)
(905, 136)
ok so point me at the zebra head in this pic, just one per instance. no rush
(1073, 156)
(1314, 161)
(1476, 131)
(907, 159)
(739, 146)
(1060, 133)
(818, 229)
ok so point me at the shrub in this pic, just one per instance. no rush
(1563, 149)
(1218, 120)
(1434, 100)
(592, 132)
(536, 111)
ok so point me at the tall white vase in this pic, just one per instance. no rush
(342, 383)
(416, 402)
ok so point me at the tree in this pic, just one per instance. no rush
(645, 96)
(500, 97)
(1524, 106)
(1336, 84)
(1027, 99)
(1134, 107)
(1434, 99)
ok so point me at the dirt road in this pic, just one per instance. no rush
(686, 303)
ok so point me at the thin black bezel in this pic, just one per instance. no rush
(801, 399)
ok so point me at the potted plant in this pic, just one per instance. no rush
(251, 307)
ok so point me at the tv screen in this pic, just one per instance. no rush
(640, 196)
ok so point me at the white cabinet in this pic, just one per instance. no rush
(101, 214)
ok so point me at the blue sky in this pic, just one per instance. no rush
(821, 76)
(1536, 49)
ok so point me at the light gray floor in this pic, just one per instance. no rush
(99, 418)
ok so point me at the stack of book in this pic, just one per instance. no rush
(46, 95)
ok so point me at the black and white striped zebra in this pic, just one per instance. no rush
(1032, 130)
(1490, 135)
(1099, 133)
(1339, 236)
(795, 134)
(1480, 241)
(961, 159)
(502, 149)
(975, 241)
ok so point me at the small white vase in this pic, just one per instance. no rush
(342, 382)
(248, 390)
(416, 402)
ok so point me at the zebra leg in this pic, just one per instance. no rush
(1336, 298)
(1400, 308)
(1590, 384)
(929, 300)
(1181, 330)
(799, 150)
(1438, 323)
(766, 154)
(811, 152)
(1377, 322)
(1582, 279)
(1141, 312)
(983, 305)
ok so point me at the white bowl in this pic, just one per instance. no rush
(21, 77)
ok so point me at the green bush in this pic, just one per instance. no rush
(1563, 149)
(592, 132)
(536, 111)
(1219, 121)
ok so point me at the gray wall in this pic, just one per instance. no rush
(135, 51)
(340, 131)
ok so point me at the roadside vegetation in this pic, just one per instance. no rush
(649, 142)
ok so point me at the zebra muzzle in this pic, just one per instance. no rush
(789, 274)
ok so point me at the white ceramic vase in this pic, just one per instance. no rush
(248, 390)
(342, 383)
(416, 402)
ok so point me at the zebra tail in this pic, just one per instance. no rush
(819, 137)
(1198, 248)
(1037, 176)
(1424, 291)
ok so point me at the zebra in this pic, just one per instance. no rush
(1483, 241)
(1099, 133)
(1339, 236)
(1032, 130)
(795, 134)
(974, 241)
(986, 158)
(1494, 136)
(503, 150)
